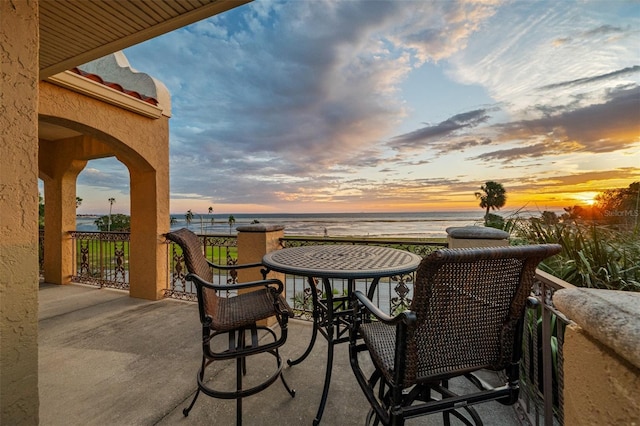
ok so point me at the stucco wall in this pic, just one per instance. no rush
(19, 213)
(601, 356)
(600, 388)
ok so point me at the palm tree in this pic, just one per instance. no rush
(111, 201)
(493, 196)
(232, 220)
(188, 217)
(172, 221)
(211, 213)
(78, 202)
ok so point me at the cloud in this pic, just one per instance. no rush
(592, 176)
(105, 174)
(452, 125)
(568, 50)
(588, 80)
(603, 30)
(276, 102)
(295, 88)
(600, 128)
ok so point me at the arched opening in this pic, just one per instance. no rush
(103, 189)
(76, 133)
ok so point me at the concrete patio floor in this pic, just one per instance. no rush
(108, 359)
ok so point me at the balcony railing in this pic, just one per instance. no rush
(101, 258)
(542, 380)
(219, 249)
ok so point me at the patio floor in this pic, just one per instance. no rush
(108, 359)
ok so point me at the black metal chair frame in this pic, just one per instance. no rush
(406, 387)
(236, 327)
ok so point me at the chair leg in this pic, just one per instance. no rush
(239, 373)
(291, 392)
(241, 346)
(186, 411)
(371, 415)
(446, 415)
(241, 370)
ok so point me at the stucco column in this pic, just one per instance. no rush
(19, 402)
(60, 170)
(149, 221)
(254, 241)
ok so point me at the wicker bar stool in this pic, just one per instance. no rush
(236, 317)
(466, 315)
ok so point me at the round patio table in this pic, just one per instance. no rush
(331, 314)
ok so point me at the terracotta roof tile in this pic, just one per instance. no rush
(115, 86)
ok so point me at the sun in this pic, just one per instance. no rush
(587, 198)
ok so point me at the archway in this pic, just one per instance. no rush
(74, 129)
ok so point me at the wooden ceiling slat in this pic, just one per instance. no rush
(68, 19)
(121, 16)
(152, 10)
(137, 14)
(94, 21)
(177, 7)
(164, 8)
(62, 50)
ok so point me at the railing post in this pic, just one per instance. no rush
(254, 241)
(547, 361)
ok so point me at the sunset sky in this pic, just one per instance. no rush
(365, 106)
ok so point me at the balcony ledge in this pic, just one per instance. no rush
(612, 317)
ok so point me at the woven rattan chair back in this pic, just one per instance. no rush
(468, 303)
(196, 263)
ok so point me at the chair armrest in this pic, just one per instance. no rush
(248, 284)
(230, 267)
(407, 317)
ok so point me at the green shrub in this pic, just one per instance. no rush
(593, 255)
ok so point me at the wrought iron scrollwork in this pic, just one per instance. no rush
(119, 272)
(402, 302)
(303, 301)
(84, 259)
(233, 273)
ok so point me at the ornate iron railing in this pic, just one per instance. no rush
(219, 249)
(101, 258)
(41, 252)
(541, 373)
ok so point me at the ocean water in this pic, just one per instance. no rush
(378, 225)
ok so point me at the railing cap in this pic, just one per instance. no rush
(476, 232)
(259, 227)
(610, 316)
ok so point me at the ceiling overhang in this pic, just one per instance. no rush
(74, 32)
